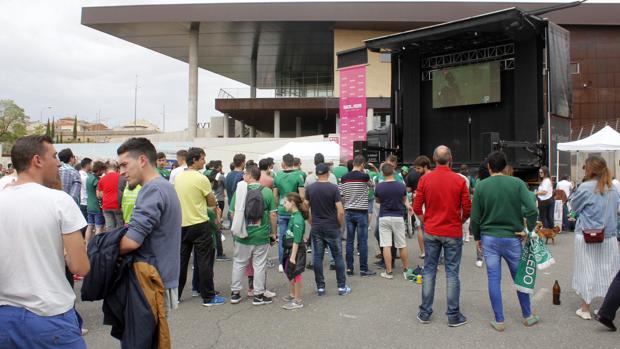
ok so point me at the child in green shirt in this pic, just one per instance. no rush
(294, 249)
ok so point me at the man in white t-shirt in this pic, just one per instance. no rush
(181, 157)
(8, 179)
(35, 296)
(86, 166)
(565, 185)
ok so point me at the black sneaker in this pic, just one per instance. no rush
(366, 273)
(457, 321)
(424, 318)
(222, 258)
(606, 322)
(332, 267)
(350, 272)
(261, 299)
(310, 266)
(235, 298)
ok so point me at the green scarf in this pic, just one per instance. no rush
(535, 255)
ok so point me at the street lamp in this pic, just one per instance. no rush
(41, 113)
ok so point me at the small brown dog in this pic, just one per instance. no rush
(547, 233)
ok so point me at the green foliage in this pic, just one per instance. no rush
(52, 131)
(47, 128)
(13, 121)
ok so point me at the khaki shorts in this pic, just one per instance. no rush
(392, 226)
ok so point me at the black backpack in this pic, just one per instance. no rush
(211, 177)
(254, 204)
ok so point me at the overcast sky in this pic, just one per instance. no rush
(48, 59)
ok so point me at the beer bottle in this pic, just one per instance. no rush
(556, 293)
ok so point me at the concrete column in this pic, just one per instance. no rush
(252, 132)
(225, 125)
(253, 82)
(298, 126)
(276, 124)
(242, 129)
(370, 119)
(192, 110)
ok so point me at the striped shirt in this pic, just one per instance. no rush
(354, 190)
(71, 181)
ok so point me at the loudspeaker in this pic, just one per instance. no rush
(488, 141)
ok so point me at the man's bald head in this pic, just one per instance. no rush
(442, 155)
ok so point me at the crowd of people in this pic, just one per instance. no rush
(149, 214)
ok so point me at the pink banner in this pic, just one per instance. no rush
(352, 109)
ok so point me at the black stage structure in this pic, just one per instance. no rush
(534, 73)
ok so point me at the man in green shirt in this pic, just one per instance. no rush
(340, 171)
(287, 181)
(93, 204)
(256, 245)
(161, 166)
(297, 167)
(499, 206)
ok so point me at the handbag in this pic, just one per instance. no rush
(596, 236)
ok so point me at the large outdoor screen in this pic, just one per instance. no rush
(466, 85)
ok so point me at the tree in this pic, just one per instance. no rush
(47, 128)
(75, 128)
(53, 132)
(13, 121)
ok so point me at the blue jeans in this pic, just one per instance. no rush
(282, 226)
(494, 249)
(357, 221)
(20, 328)
(452, 250)
(321, 238)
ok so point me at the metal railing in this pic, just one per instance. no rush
(288, 92)
(588, 130)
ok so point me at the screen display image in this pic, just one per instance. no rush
(466, 85)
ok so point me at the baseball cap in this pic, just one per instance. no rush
(321, 169)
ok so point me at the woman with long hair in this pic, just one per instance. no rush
(595, 264)
(546, 203)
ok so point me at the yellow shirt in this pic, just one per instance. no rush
(192, 188)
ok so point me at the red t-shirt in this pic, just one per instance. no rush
(109, 186)
(445, 196)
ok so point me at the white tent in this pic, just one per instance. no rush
(305, 151)
(607, 139)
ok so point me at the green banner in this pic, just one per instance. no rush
(534, 256)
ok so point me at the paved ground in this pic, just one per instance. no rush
(378, 313)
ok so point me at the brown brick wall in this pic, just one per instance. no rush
(596, 89)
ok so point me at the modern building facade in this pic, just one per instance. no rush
(286, 54)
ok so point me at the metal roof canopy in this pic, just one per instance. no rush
(494, 27)
(289, 39)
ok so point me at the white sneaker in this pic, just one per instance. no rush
(479, 264)
(84, 331)
(280, 269)
(387, 275)
(583, 314)
(269, 294)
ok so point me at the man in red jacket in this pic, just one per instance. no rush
(446, 199)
